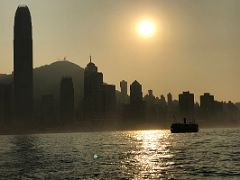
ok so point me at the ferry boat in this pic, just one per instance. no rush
(184, 127)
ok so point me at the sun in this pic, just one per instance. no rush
(146, 28)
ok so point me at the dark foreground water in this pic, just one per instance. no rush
(209, 154)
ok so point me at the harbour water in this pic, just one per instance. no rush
(209, 154)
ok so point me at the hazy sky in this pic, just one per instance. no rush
(196, 46)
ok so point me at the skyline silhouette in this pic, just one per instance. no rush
(116, 116)
(101, 106)
(159, 98)
(185, 54)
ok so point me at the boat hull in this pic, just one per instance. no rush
(184, 128)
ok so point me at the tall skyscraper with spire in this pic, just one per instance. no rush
(93, 90)
(23, 63)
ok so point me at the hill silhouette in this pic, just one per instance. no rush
(47, 79)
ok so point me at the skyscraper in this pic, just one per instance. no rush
(48, 110)
(162, 101)
(123, 85)
(93, 91)
(150, 99)
(136, 101)
(136, 96)
(23, 63)
(66, 99)
(186, 103)
(109, 98)
(150, 105)
(207, 104)
(169, 99)
(123, 97)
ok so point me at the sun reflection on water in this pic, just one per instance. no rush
(151, 139)
(153, 156)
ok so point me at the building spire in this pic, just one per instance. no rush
(90, 59)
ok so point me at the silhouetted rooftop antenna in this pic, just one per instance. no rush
(90, 58)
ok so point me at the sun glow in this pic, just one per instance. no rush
(146, 28)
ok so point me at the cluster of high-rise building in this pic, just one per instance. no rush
(101, 101)
(99, 98)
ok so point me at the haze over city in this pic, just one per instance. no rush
(194, 45)
(113, 89)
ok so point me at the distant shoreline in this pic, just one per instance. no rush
(82, 130)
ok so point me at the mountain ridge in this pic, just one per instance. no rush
(47, 78)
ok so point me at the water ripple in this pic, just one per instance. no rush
(211, 154)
